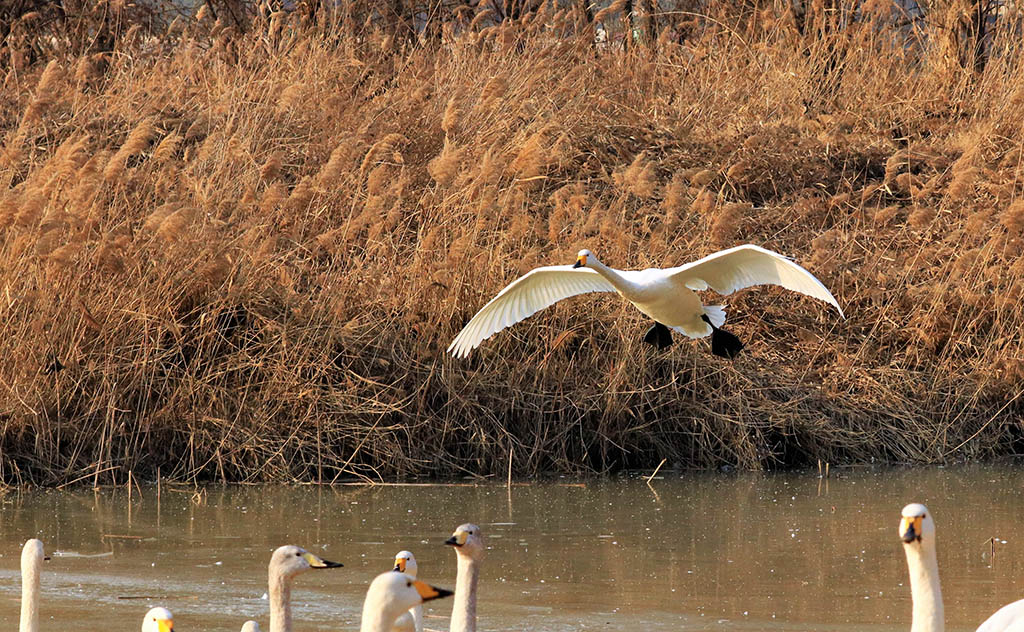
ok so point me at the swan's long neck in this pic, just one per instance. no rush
(417, 618)
(925, 589)
(376, 616)
(464, 608)
(29, 594)
(614, 277)
(280, 603)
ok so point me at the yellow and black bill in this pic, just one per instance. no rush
(458, 539)
(318, 562)
(428, 592)
(910, 528)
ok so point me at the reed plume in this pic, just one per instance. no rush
(257, 239)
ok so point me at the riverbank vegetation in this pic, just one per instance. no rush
(235, 244)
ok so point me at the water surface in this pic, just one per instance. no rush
(691, 552)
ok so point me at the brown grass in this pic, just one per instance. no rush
(238, 252)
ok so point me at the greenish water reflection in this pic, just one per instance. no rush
(700, 552)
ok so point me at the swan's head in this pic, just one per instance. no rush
(916, 525)
(391, 594)
(405, 562)
(467, 540)
(290, 560)
(158, 620)
(582, 257)
(32, 553)
(250, 626)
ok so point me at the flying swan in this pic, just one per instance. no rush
(917, 530)
(667, 295)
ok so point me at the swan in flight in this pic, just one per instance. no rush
(392, 594)
(668, 296)
(917, 530)
(32, 557)
(285, 563)
(469, 550)
(412, 619)
(158, 620)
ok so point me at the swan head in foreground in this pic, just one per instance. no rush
(32, 553)
(250, 626)
(405, 562)
(390, 595)
(917, 532)
(158, 620)
(290, 560)
(31, 567)
(917, 527)
(467, 540)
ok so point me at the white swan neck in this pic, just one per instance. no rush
(417, 618)
(376, 617)
(928, 613)
(29, 594)
(280, 603)
(374, 622)
(613, 276)
(464, 607)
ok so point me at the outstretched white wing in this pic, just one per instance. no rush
(743, 266)
(525, 296)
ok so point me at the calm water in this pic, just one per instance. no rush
(701, 552)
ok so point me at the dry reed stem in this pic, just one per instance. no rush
(253, 256)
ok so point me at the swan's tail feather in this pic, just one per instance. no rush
(716, 314)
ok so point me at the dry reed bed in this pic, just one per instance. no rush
(241, 257)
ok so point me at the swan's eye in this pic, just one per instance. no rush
(298, 555)
(408, 584)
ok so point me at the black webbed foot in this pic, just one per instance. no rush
(723, 343)
(659, 336)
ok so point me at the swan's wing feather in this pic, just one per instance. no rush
(744, 266)
(1009, 618)
(525, 296)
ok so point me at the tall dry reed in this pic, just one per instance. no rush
(241, 253)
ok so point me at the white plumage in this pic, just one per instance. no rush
(31, 566)
(412, 619)
(468, 542)
(392, 594)
(286, 562)
(1009, 618)
(917, 530)
(158, 619)
(667, 295)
